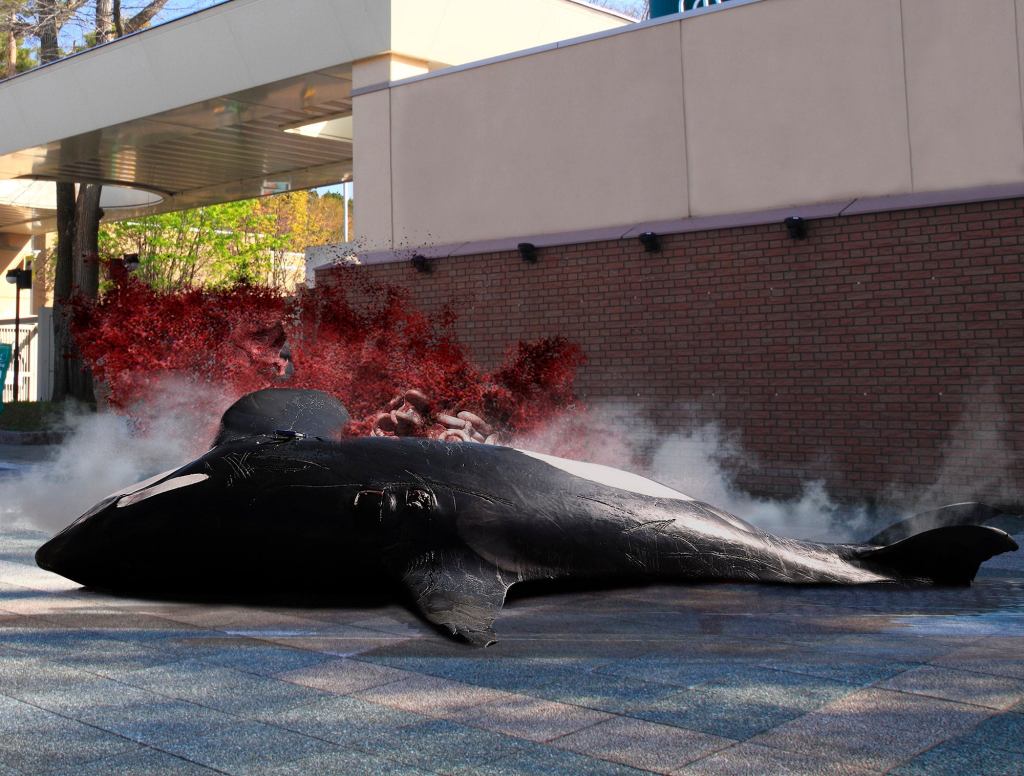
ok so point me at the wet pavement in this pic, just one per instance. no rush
(705, 679)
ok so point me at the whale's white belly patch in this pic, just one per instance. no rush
(610, 476)
(163, 487)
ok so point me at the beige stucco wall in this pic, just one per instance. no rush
(963, 90)
(521, 146)
(458, 31)
(794, 101)
(757, 107)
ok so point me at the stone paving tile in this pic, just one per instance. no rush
(1003, 731)
(830, 662)
(223, 689)
(429, 696)
(640, 744)
(744, 703)
(91, 650)
(247, 747)
(343, 676)
(524, 717)
(114, 621)
(408, 628)
(337, 646)
(157, 721)
(33, 740)
(73, 698)
(146, 761)
(983, 658)
(255, 657)
(604, 693)
(751, 760)
(440, 745)
(958, 759)
(343, 762)
(248, 620)
(536, 760)
(490, 668)
(582, 650)
(47, 604)
(874, 729)
(677, 670)
(340, 719)
(994, 692)
(33, 577)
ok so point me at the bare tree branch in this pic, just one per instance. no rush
(143, 17)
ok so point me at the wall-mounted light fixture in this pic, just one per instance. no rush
(650, 242)
(528, 251)
(22, 278)
(421, 263)
(797, 227)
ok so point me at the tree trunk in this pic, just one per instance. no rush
(104, 20)
(86, 241)
(62, 287)
(78, 222)
(11, 65)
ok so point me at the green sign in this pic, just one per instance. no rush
(5, 361)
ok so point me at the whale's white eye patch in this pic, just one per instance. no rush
(610, 476)
(139, 485)
(163, 487)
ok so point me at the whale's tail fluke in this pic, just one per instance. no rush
(943, 556)
(966, 513)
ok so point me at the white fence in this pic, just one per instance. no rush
(35, 367)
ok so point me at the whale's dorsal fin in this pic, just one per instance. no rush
(459, 591)
(291, 410)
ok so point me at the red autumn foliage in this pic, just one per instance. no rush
(361, 341)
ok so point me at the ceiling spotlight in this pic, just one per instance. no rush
(797, 227)
(650, 242)
(421, 263)
(528, 251)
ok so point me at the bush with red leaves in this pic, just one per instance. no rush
(360, 341)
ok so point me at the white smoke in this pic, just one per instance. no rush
(976, 444)
(701, 462)
(103, 453)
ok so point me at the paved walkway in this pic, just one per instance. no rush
(709, 679)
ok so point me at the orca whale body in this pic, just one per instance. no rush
(455, 525)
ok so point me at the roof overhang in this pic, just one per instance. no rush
(248, 97)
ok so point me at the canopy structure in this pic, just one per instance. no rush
(247, 98)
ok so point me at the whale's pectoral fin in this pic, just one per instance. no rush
(460, 592)
(945, 556)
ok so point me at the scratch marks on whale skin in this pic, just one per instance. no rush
(240, 469)
(658, 526)
(617, 508)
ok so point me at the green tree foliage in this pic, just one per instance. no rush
(254, 241)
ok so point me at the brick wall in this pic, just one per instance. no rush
(885, 352)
